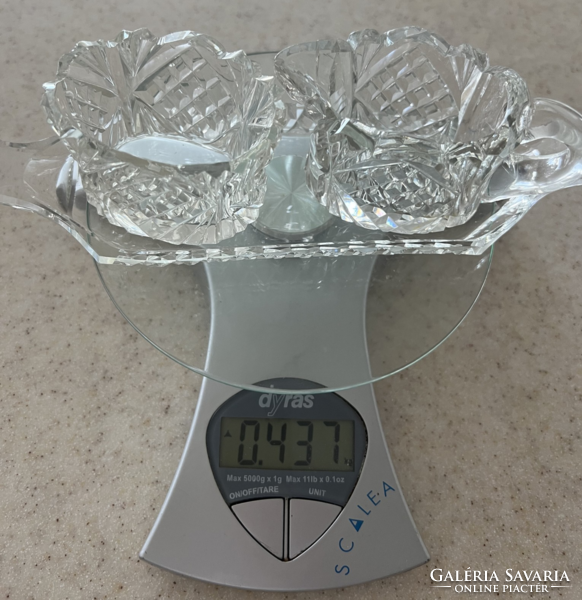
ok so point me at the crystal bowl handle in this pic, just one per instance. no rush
(549, 160)
(39, 177)
(14, 157)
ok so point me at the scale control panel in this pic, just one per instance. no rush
(286, 464)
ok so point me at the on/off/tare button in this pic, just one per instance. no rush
(264, 520)
(308, 521)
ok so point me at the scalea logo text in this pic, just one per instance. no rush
(274, 401)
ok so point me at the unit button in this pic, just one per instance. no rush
(264, 520)
(308, 520)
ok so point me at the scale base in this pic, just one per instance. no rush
(197, 535)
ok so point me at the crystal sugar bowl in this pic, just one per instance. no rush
(171, 135)
(173, 150)
(413, 134)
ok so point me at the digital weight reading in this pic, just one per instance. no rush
(287, 444)
(285, 463)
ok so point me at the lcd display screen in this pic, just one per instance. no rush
(287, 444)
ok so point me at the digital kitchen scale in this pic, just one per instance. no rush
(286, 482)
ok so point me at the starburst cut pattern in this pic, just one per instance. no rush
(172, 134)
(410, 129)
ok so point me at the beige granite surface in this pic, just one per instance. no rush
(485, 433)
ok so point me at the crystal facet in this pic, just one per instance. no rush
(410, 129)
(172, 134)
(548, 158)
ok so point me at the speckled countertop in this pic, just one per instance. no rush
(93, 420)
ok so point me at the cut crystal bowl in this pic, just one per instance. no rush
(171, 135)
(409, 130)
(431, 171)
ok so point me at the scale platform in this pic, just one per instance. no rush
(286, 482)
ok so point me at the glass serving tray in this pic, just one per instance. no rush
(47, 166)
(53, 169)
